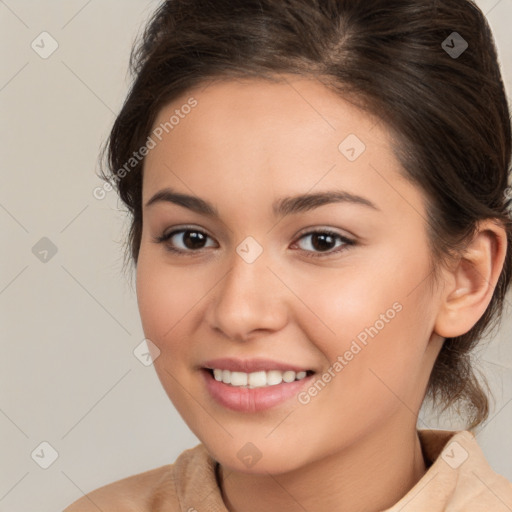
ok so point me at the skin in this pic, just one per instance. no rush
(354, 446)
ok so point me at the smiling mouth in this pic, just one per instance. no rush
(257, 379)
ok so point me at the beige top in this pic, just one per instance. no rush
(459, 479)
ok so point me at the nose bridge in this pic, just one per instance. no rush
(247, 299)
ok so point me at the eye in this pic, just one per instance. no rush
(184, 240)
(324, 242)
(318, 243)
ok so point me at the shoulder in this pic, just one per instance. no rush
(462, 478)
(479, 485)
(154, 490)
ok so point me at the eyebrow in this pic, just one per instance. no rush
(281, 207)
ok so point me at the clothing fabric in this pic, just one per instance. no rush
(458, 479)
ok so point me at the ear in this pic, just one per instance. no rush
(469, 286)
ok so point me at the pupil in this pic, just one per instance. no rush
(325, 241)
(193, 239)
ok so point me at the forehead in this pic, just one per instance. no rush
(256, 138)
(223, 105)
(263, 119)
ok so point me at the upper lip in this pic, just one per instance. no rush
(251, 365)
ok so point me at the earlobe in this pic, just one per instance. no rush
(469, 285)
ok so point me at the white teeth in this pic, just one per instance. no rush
(274, 377)
(256, 379)
(289, 376)
(238, 379)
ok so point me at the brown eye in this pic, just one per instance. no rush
(193, 239)
(322, 242)
(185, 240)
(327, 242)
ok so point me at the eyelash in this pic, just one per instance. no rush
(346, 242)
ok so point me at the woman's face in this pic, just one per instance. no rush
(264, 166)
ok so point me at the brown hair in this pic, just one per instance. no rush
(448, 113)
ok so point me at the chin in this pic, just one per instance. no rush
(271, 463)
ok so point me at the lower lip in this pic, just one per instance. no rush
(255, 399)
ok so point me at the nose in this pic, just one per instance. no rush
(249, 299)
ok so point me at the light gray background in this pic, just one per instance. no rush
(69, 326)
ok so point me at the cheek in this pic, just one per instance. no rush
(377, 317)
(157, 303)
(350, 300)
(165, 295)
(164, 298)
(170, 298)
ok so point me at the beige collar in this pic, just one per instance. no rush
(458, 479)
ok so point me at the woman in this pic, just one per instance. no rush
(320, 228)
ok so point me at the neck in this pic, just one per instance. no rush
(368, 477)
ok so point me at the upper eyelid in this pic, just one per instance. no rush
(304, 232)
(311, 230)
(175, 231)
